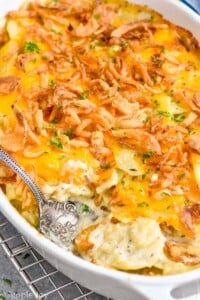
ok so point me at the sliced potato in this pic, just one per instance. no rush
(128, 161)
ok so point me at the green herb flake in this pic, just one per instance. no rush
(186, 202)
(142, 204)
(144, 176)
(171, 93)
(116, 128)
(56, 141)
(123, 182)
(105, 166)
(178, 118)
(156, 61)
(92, 46)
(7, 281)
(97, 16)
(164, 194)
(2, 297)
(59, 105)
(163, 50)
(69, 133)
(181, 175)
(31, 47)
(147, 155)
(125, 44)
(84, 208)
(162, 113)
(54, 121)
(83, 96)
(61, 157)
(52, 83)
(146, 120)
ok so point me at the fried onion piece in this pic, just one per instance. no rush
(82, 240)
(194, 143)
(6, 174)
(141, 26)
(182, 252)
(15, 141)
(96, 24)
(8, 84)
(138, 138)
(190, 215)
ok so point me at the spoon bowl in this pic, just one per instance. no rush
(58, 221)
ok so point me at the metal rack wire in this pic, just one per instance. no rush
(44, 281)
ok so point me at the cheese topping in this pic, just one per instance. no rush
(101, 101)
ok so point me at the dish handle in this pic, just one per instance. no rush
(188, 289)
(154, 292)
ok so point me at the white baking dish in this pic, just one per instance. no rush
(111, 283)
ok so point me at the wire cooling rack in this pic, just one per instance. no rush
(44, 281)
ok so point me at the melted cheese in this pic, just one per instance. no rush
(119, 190)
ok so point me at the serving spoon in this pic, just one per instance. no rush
(58, 221)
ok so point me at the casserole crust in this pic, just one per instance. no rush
(100, 101)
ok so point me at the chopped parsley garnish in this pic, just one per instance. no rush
(182, 175)
(62, 156)
(162, 113)
(84, 208)
(69, 133)
(54, 121)
(31, 47)
(97, 16)
(83, 96)
(56, 141)
(116, 128)
(7, 281)
(142, 204)
(163, 50)
(2, 297)
(145, 121)
(92, 46)
(52, 83)
(156, 61)
(59, 105)
(165, 194)
(186, 202)
(178, 118)
(105, 166)
(175, 118)
(125, 44)
(144, 176)
(147, 155)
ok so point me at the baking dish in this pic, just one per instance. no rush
(114, 284)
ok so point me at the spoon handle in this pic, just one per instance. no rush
(8, 160)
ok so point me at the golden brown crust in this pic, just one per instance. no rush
(184, 253)
(8, 84)
(108, 108)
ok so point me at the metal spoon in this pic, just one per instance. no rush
(58, 221)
